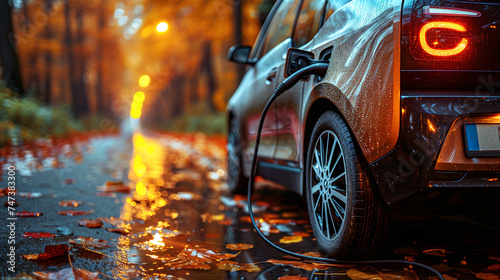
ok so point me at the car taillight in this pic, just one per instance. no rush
(449, 43)
(440, 43)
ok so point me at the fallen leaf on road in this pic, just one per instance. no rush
(114, 188)
(495, 268)
(356, 274)
(70, 203)
(288, 215)
(111, 220)
(301, 233)
(300, 264)
(75, 212)
(234, 266)
(269, 216)
(4, 192)
(226, 222)
(250, 267)
(229, 266)
(313, 254)
(90, 223)
(50, 251)
(117, 230)
(292, 277)
(291, 239)
(28, 214)
(38, 234)
(104, 194)
(246, 219)
(436, 252)
(239, 246)
(69, 273)
(487, 276)
(69, 181)
(113, 183)
(89, 242)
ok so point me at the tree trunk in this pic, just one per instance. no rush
(11, 71)
(48, 58)
(80, 59)
(237, 34)
(99, 87)
(78, 101)
(33, 81)
(211, 83)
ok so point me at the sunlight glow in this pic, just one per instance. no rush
(144, 81)
(162, 27)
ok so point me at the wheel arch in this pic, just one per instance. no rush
(320, 105)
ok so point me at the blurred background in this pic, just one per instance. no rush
(79, 65)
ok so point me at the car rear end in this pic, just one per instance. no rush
(450, 101)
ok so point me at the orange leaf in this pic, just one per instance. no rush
(50, 251)
(69, 273)
(239, 246)
(70, 203)
(291, 239)
(90, 223)
(28, 214)
(38, 234)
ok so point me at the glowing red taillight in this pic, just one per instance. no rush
(442, 52)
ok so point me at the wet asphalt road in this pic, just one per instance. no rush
(173, 207)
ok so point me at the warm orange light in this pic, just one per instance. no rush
(442, 52)
(431, 126)
(162, 27)
(135, 113)
(144, 80)
(139, 96)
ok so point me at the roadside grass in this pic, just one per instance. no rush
(196, 118)
(23, 120)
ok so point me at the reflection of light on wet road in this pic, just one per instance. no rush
(174, 183)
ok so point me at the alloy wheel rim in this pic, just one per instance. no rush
(328, 185)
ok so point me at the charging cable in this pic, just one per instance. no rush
(318, 69)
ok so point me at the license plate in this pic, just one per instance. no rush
(482, 140)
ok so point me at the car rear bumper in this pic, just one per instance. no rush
(430, 152)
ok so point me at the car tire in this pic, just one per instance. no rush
(236, 180)
(347, 214)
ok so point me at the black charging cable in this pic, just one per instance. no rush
(318, 69)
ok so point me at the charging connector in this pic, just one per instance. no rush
(318, 69)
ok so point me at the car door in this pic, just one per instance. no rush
(288, 105)
(261, 79)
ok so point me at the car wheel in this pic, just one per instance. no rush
(347, 215)
(236, 180)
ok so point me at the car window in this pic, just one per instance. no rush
(308, 22)
(332, 6)
(281, 25)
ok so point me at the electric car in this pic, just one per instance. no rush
(409, 108)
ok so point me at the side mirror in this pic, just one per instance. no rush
(239, 54)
